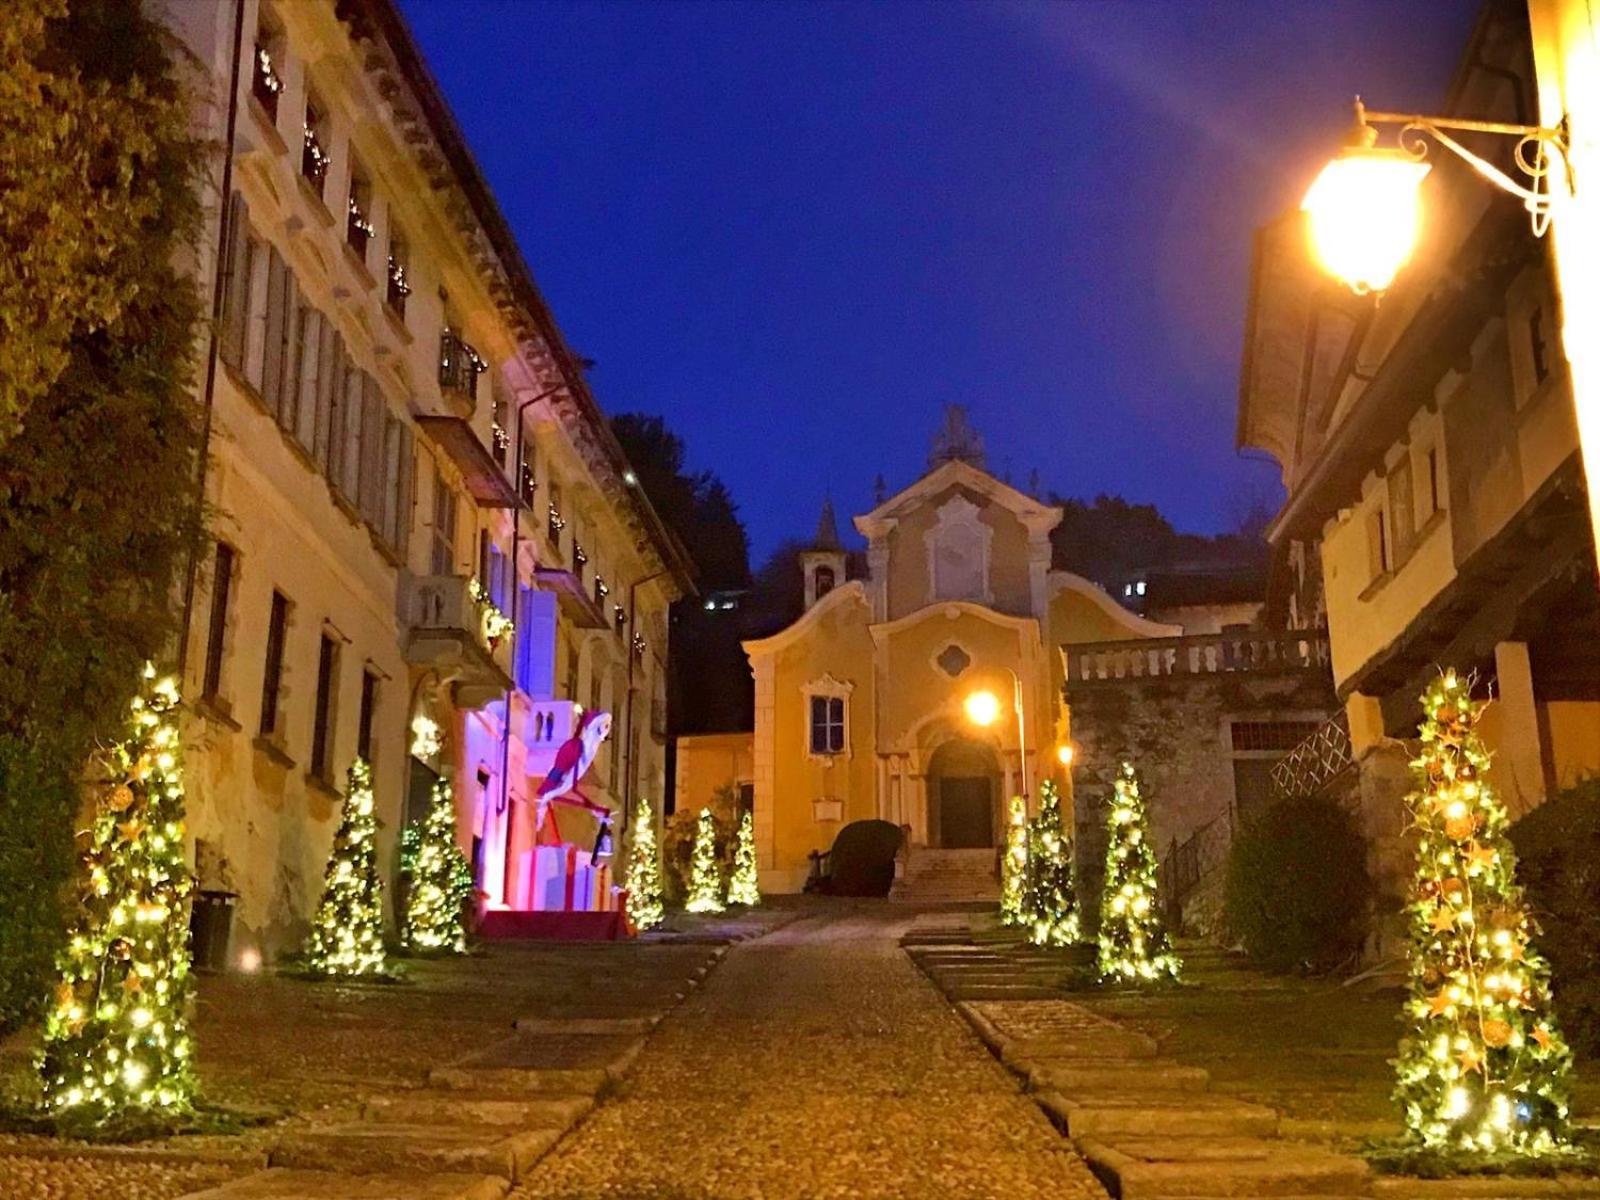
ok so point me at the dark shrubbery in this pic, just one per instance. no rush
(1298, 889)
(862, 860)
(1558, 853)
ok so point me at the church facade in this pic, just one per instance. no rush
(861, 704)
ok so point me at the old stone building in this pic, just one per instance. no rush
(429, 550)
(860, 703)
(1436, 512)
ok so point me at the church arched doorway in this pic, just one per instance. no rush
(963, 795)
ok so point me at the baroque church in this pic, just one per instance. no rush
(861, 705)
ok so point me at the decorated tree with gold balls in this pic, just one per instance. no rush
(744, 885)
(1482, 1068)
(1015, 862)
(645, 910)
(116, 1038)
(1134, 946)
(438, 880)
(705, 878)
(347, 932)
(1049, 904)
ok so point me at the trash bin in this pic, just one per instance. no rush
(210, 927)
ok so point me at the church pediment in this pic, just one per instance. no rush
(1038, 517)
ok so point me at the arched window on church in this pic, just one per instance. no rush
(824, 581)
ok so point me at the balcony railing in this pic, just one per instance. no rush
(265, 85)
(459, 368)
(1207, 654)
(447, 632)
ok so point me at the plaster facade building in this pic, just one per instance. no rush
(859, 704)
(1437, 510)
(403, 456)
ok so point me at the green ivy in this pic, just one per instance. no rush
(99, 422)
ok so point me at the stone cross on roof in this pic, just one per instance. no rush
(956, 441)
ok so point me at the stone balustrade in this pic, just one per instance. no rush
(1201, 654)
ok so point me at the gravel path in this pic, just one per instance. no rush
(817, 1062)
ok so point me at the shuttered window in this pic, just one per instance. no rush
(236, 285)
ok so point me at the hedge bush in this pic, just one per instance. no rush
(1558, 865)
(1298, 891)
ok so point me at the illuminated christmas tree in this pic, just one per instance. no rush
(645, 909)
(744, 887)
(1482, 1067)
(1134, 946)
(1014, 864)
(439, 880)
(705, 880)
(116, 1037)
(347, 932)
(1049, 905)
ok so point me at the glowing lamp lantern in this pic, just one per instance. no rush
(1064, 754)
(1364, 211)
(983, 708)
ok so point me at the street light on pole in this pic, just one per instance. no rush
(984, 708)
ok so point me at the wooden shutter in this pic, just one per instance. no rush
(350, 435)
(272, 346)
(405, 490)
(236, 290)
(294, 315)
(329, 366)
(373, 413)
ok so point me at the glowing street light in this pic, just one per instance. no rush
(983, 708)
(1365, 207)
(1065, 754)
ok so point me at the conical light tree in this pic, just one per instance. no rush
(705, 880)
(1482, 1067)
(116, 1037)
(645, 909)
(347, 932)
(1134, 946)
(439, 880)
(1014, 864)
(744, 886)
(1049, 905)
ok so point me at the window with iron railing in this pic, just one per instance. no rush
(459, 365)
(601, 591)
(399, 288)
(579, 559)
(265, 85)
(499, 439)
(358, 215)
(314, 158)
(525, 482)
(619, 617)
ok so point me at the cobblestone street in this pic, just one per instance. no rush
(816, 1062)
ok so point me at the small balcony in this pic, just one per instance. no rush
(577, 603)
(449, 631)
(459, 368)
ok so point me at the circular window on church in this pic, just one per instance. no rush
(953, 660)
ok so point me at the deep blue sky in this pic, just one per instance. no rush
(797, 229)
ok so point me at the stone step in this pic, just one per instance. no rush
(603, 1026)
(1087, 1076)
(281, 1183)
(442, 1106)
(366, 1148)
(1159, 1115)
(519, 1079)
(1205, 1168)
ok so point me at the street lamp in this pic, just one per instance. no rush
(1364, 209)
(1065, 754)
(984, 708)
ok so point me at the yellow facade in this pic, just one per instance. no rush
(860, 704)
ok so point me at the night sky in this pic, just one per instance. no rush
(798, 229)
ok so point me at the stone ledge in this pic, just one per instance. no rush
(1161, 1115)
(1185, 1168)
(366, 1148)
(283, 1184)
(444, 1107)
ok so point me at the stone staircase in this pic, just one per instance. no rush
(948, 877)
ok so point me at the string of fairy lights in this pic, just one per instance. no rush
(744, 885)
(439, 880)
(644, 904)
(705, 880)
(347, 931)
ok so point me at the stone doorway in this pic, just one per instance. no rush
(963, 787)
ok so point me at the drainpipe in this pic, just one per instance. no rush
(219, 290)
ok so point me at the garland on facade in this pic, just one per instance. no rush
(1049, 904)
(1482, 1067)
(438, 879)
(705, 880)
(645, 909)
(1134, 947)
(347, 932)
(116, 1037)
(1013, 866)
(744, 886)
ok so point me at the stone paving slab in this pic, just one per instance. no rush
(369, 1148)
(1185, 1168)
(600, 1026)
(1400, 1187)
(500, 1080)
(529, 1051)
(1063, 1030)
(1141, 1115)
(284, 1184)
(443, 1107)
(1079, 1076)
